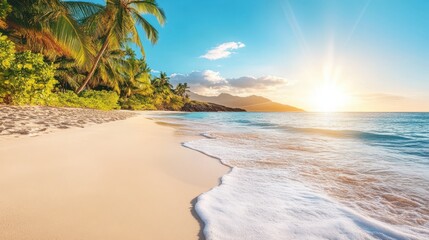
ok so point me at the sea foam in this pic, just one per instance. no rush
(292, 177)
(265, 204)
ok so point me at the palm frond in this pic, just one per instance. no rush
(150, 7)
(151, 32)
(32, 18)
(82, 10)
(67, 32)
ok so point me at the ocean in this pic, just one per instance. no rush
(314, 175)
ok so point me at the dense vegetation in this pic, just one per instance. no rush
(78, 54)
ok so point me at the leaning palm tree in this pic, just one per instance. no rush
(50, 27)
(117, 23)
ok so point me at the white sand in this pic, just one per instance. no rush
(128, 179)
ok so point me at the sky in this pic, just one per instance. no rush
(320, 55)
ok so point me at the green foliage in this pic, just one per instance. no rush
(159, 94)
(67, 73)
(182, 89)
(135, 75)
(103, 100)
(165, 98)
(176, 103)
(5, 9)
(48, 27)
(135, 88)
(29, 80)
(138, 102)
(7, 53)
(67, 33)
(25, 78)
(116, 26)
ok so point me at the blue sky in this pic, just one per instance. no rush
(371, 52)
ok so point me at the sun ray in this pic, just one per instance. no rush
(358, 20)
(296, 28)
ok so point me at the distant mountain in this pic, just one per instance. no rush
(252, 103)
(195, 106)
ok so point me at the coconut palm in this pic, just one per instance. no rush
(50, 27)
(117, 24)
(135, 76)
(109, 72)
(68, 73)
(182, 89)
(162, 84)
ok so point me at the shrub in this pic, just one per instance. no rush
(5, 9)
(7, 53)
(25, 78)
(103, 100)
(137, 102)
(168, 101)
(176, 103)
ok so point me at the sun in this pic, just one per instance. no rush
(329, 98)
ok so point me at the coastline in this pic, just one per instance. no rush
(125, 179)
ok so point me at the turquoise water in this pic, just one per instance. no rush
(315, 175)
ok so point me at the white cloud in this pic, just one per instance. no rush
(223, 51)
(207, 78)
(257, 83)
(211, 82)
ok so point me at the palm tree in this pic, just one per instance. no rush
(135, 76)
(50, 27)
(118, 21)
(162, 84)
(68, 73)
(163, 91)
(182, 89)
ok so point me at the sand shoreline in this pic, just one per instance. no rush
(126, 179)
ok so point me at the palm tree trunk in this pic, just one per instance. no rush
(94, 66)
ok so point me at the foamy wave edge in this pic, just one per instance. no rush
(376, 228)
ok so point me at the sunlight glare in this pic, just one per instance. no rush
(329, 98)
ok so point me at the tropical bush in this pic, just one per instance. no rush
(7, 52)
(176, 103)
(168, 101)
(25, 77)
(137, 102)
(103, 100)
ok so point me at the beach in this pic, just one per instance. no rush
(126, 178)
(137, 175)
